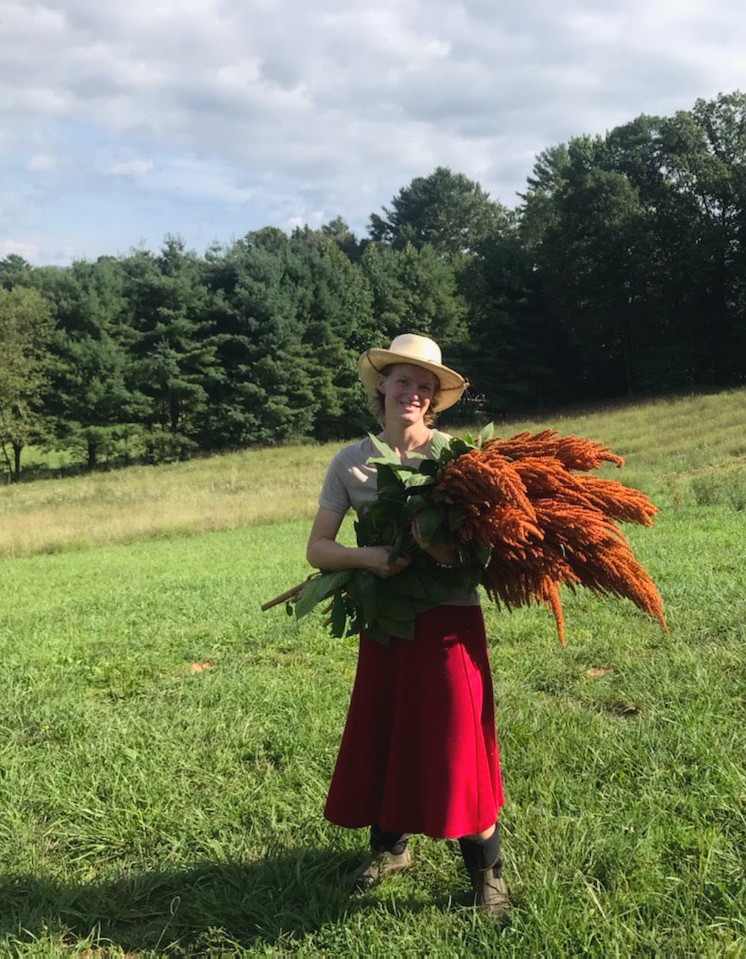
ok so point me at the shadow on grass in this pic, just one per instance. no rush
(278, 899)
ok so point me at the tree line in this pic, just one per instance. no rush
(622, 270)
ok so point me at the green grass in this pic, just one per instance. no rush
(141, 502)
(671, 445)
(150, 809)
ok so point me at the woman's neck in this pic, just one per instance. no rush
(406, 439)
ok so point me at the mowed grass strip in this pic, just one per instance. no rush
(666, 443)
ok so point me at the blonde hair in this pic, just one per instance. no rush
(377, 406)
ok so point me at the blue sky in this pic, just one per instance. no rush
(120, 123)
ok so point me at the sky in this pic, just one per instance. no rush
(121, 122)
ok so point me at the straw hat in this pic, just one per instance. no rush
(420, 351)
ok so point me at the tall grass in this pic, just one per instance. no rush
(666, 443)
(140, 502)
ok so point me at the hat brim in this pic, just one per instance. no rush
(373, 361)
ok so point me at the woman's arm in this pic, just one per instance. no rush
(324, 552)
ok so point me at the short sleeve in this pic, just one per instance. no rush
(334, 494)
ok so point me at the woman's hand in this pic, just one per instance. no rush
(377, 561)
(441, 554)
(324, 552)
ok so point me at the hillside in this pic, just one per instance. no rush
(679, 451)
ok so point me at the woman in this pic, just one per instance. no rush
(418, 754)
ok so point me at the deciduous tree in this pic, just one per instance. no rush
(444, 210)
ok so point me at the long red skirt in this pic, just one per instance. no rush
(419, 751)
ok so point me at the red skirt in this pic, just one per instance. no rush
(419, 750)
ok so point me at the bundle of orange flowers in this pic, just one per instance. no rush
(519, 513)
(544, 525)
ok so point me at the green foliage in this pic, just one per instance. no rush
(719, 488)
(319, 588)
(25, 332)
(638, 240)
(444, 210)
(174, 354)
(291, 315)
(621, 272)
(414, 289)
(513, 353)
(92, 399)
(386, 607)
(15, 271)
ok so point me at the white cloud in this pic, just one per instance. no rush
(314, 219)
(42, 162)
(334, 105)
(201, 180)
(29, 251)
(132, 168)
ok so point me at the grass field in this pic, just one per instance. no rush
(166, 746)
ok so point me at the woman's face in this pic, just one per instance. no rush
(408, 392)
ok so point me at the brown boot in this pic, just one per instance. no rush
(378, 865)
(485, 868)
(490, 893)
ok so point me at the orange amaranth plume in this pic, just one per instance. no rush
(547, 526)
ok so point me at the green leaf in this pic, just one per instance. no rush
(388, 477)
(486, 433)
(458, 446)
(483, 555)
(417, 479)
(355, 624)
(430, 467)
(364, 586)
(385, 453)
(339, 616)
(417, 502)
(438, 583)
(430, 522)
(318, 589)
(397, 607)
(423, 605)
(401, 544)
(378, 633)
(438, 443)
(395, 627)
(408, 584)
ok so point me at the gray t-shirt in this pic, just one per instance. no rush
(351, 483)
